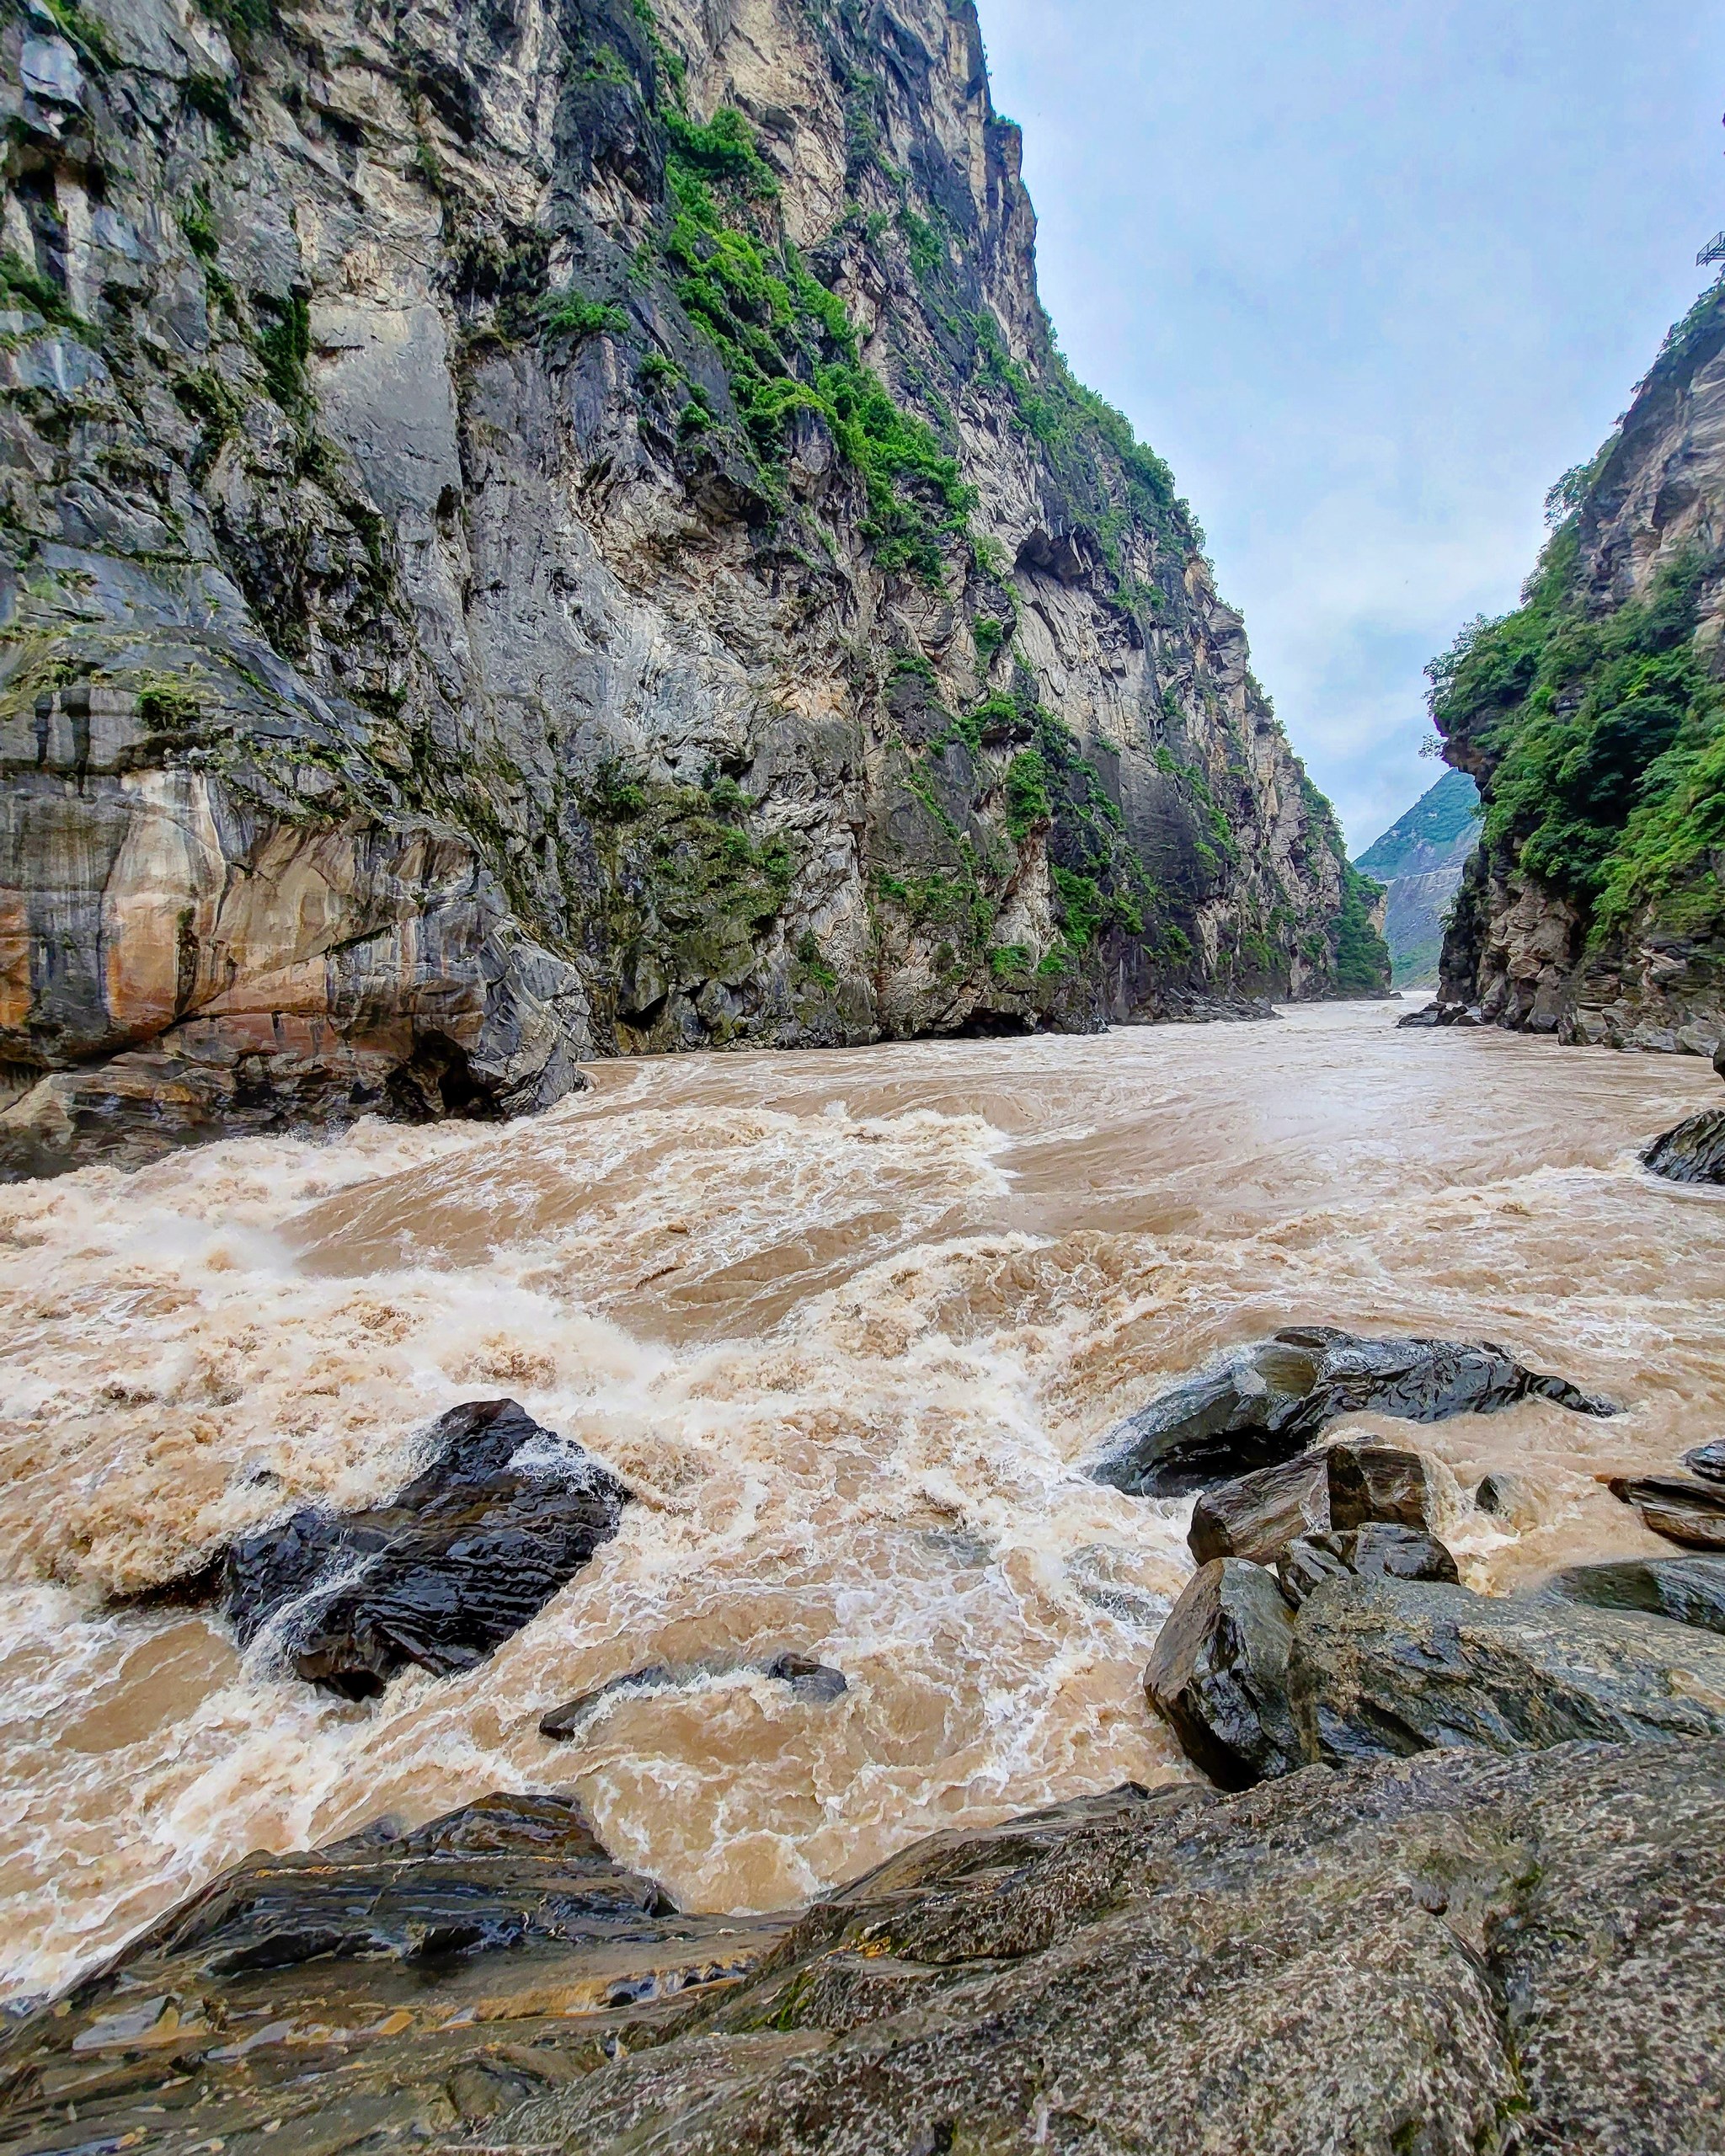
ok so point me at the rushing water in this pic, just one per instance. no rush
(846, 1323)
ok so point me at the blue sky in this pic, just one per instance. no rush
(1370, 274)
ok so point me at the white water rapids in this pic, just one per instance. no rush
(846, 1323)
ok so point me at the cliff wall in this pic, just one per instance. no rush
(1593, 720)
(535, 529)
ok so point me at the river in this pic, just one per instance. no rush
(846, 1323)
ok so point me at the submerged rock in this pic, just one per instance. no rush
(1389, 1666)
(1218, 1674)
(1690, 1590)
(503, 1516)
(1457, 1956)
(1692, 1513)
(1694, 1152)
(807, 1679)
(1264, 1404)
(400, 1982)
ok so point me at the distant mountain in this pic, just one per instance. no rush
(1419, 860)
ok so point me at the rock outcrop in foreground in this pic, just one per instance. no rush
(1593, 720)
(533, 532)
(1460, 1954)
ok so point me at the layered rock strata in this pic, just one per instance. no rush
(538, 531)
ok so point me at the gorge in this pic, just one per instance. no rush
(1124, 1551)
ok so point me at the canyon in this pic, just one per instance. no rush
(541, 532)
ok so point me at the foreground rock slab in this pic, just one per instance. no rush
(1262, 1405)
(1462, 1955)
(500, 1519)
(399, 1982)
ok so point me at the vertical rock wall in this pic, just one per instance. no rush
(538, 531)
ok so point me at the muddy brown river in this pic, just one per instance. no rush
(848, 1324)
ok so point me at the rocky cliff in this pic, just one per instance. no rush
(1593, 720)
(533, 532)
(1419, 860)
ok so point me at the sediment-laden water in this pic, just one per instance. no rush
(846, 1323)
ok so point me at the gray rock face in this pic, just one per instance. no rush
(1453, 1955)
(1387, 1666)
(439, 634)
(1690, 1590)
(808, 1679)
(401, 1982)
(1694, 1152)
(1262, 1405)
(1218, 1674)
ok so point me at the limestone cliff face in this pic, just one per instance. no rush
(1595, 723)
(538, 531)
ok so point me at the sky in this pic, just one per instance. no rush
(1371, 274)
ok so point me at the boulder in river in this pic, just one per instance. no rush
(1218, 1674)
(502, 1516)
(1386, 1665)
(1262, 1405)
(1708, 1461)
(1692, 1513)
(1369, 1481)
(1690, 1590)
(1694, 1152)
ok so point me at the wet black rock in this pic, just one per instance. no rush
(1389, 1666)
(1456, 1955)
(1264, 1404)
(1708, 1461)
(807, 1679)
(1442, 1014)
(1694, 1152)
(1377, 1482)
(502, 1516)
(1690, 1590)
(1218, 1674)
(401, 1983)
(1692, 1513)
(1256, 1516)
(1377, 1551)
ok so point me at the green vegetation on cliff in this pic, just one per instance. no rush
(1606, 735)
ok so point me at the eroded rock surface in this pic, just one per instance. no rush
(1386, 1665)
(504, 1515)
(1260, 1406)
(1461, 1955)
